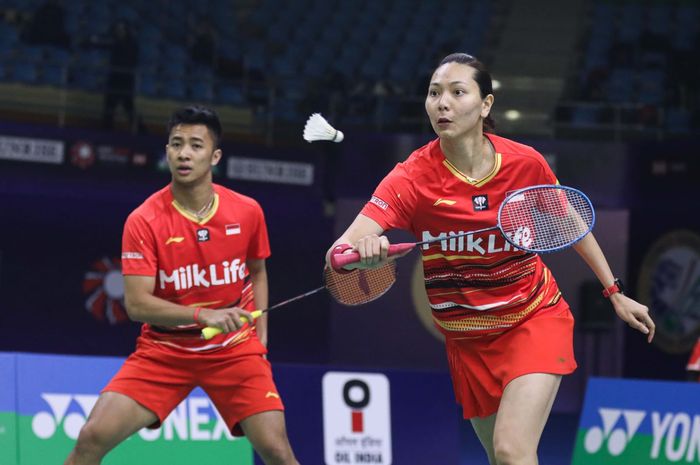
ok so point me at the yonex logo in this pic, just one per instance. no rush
(617, 437)
(194, 419)
(44, 424)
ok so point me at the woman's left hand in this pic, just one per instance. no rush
(634, 314)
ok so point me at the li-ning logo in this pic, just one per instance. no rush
(617, 438)
(480, 202)
(444, 201)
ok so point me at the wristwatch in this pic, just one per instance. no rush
(616, 287)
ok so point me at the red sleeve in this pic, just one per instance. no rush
(138, 248)
(393, 203)
(547, 174)
(259, 246)
(557, 204)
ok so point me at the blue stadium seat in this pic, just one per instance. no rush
(147, 84)
(202, 90)
(231, 94)
(54, 74)
(584, 116)
(621, 85)
(25, 72)
(174, 88)
(677, 120)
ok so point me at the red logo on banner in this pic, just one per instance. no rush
(355, 402)
(104, 285)
(82, 154)
(357, 422)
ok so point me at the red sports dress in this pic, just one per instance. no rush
(197, 263)
(499, 307)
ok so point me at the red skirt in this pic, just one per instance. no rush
(482, 367)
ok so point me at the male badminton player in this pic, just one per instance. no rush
(188, 249)
(509, 332)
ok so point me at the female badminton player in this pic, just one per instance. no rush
(509, 332)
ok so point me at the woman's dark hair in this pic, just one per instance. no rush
(482, 78)
(197, 114)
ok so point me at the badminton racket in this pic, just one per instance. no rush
(352, 288)
(538, 219)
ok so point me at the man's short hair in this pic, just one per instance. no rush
(197, 114)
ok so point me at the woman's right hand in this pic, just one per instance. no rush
(373, 250)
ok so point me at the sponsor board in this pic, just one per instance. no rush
(669, 282)
(31, 150)
(282, 172)
(8, 419)
(639, 422)
(356, 418)
(57, 393)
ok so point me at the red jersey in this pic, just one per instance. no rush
(478, 284)
(197, 263)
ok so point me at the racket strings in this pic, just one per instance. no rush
(360, 286)
(546, 218)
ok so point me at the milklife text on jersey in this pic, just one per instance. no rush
(485, 244)
(194, 275)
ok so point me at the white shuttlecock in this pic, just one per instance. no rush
(317, 128)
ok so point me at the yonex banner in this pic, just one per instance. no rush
(45, 400)
(639, 422)
(56, 394)
(8, 419)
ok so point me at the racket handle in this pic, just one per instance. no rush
(209, 332)
(338, 261)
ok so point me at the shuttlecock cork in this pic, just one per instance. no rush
(317, 128)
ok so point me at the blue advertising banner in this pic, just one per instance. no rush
(334, 416)
(639, 422)
(57, 393)
(8, 417)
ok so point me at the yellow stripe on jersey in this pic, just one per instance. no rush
(489, 322)
(475, 182)
(483, 322)
(205, 304)
(238, 338)
(440, 256)
(191, 217)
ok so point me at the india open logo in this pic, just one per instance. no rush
(613, 435)
(104, 285)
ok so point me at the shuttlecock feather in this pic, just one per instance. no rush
(317, 128)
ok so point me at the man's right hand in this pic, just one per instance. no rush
(227, 319)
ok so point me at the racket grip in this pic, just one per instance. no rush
(396, 249)
(209, 332)
(338, 261)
